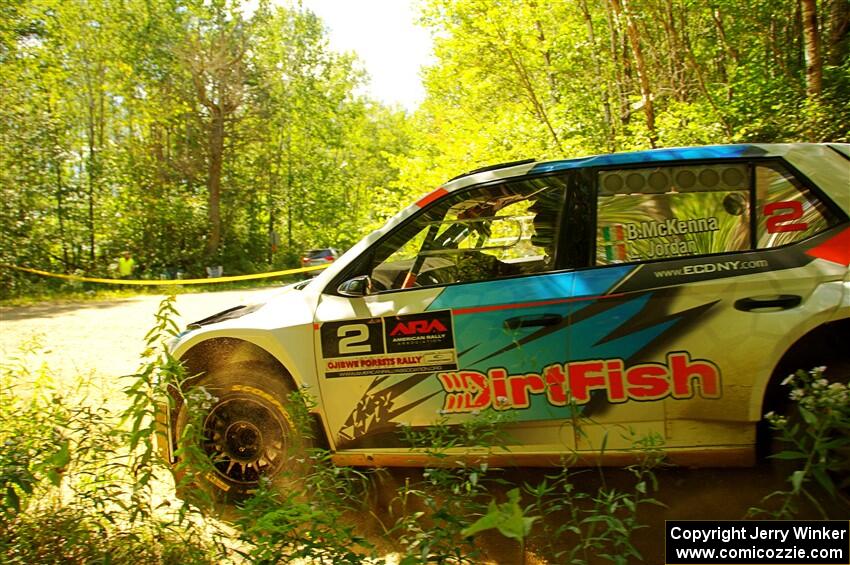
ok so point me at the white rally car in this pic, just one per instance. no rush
(662, 293)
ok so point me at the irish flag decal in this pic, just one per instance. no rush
(615, 243)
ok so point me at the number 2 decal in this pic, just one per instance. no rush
(351, 337)
(781, 217)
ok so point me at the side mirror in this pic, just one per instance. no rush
(358, 286)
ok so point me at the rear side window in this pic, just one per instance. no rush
(787, 210)
(674, 211)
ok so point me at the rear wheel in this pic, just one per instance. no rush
(824, 346)
(245, 430)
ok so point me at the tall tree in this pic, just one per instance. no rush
(811, 39)
(215, 56)
(839, 32)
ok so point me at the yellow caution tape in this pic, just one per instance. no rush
(169, 281)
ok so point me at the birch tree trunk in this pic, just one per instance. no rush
(621, 11)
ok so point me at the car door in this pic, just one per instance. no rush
(719, 283)
(466, 312)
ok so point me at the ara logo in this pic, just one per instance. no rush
(418, 327)
(425, 331)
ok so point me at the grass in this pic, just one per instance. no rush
(88, 292)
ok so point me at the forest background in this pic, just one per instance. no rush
(198, 133)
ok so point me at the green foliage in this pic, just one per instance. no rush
(817, 435)
(593, 525)
(507, 517)
(560, 79)
(113, 138)
(203, 133)
(80, 480)
(307, 519)
(441, 516)
(306, 512)
(435, 512)
(35, 447)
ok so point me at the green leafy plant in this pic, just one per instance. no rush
(507, 517)
(594, 525)
(307, 512)
(82, 482)
(33, 434)
(817, 435)
(304, 524)
(452, 494)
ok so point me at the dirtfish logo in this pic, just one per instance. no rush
(571, 383)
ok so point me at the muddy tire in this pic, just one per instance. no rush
(245, 431)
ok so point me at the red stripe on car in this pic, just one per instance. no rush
(835, 249)
(427, 199)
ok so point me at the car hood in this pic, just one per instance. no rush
(289, 307)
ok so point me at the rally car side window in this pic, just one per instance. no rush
(673, 211)
(486, 233)
(787, 211)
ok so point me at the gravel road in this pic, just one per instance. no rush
(103, 339)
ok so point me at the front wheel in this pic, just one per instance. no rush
(245, 429)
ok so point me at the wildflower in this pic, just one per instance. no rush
(797, 394)
(787, 380)
(776, 420)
